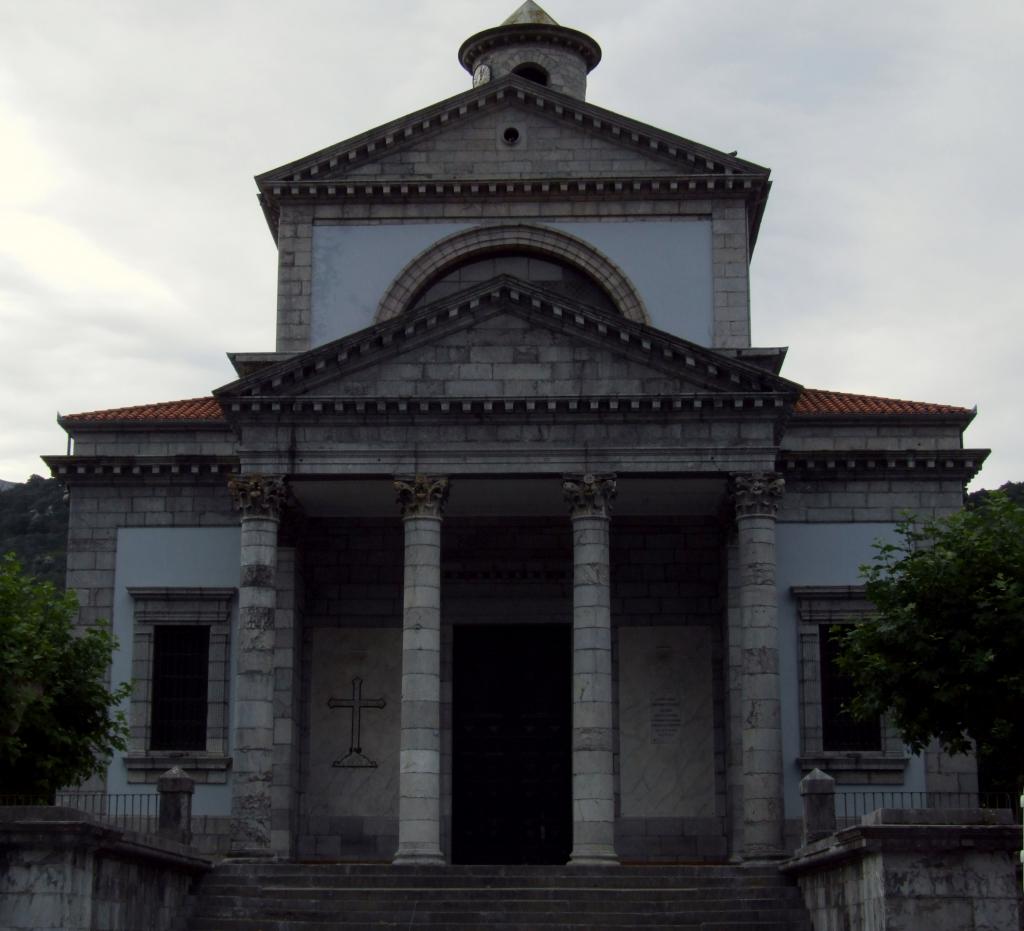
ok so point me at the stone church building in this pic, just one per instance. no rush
(513, 549)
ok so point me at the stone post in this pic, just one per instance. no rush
(756, 498)
(593, 785)
(422, 500)
(818, 791)
(176, 789)
(261, 499)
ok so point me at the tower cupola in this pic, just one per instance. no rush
(532, 45)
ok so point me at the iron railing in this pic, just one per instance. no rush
(131, 811)
(852, 806)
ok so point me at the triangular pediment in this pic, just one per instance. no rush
(474, 118)
(505, 341)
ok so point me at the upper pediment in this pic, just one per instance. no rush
(507, 344)
(476, 117)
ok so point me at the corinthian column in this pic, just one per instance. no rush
(419, 783)
(260, 498)
(756, 497)
(593, 788)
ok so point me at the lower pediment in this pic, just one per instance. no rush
(508, 345)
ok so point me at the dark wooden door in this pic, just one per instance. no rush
(512, 757)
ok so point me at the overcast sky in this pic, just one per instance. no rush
(133, 253)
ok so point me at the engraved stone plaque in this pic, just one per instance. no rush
(666, 724)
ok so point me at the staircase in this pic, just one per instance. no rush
(304, 897)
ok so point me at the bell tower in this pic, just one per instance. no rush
(532, 45)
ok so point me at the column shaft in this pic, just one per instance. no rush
(593, 781)
(419, 785)
(260, 498)
(763, 804)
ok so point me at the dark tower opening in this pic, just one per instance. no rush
(533, 73)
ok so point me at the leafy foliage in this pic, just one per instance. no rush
(34, 526)
(944, 654)
(57, 720)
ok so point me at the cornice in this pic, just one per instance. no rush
(540, 407)
(83, 469)
(810, 421)
(960, 464)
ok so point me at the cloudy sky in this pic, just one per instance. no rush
(133, 253)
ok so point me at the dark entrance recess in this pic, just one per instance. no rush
(512, 756)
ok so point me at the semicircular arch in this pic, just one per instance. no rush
(540, 240)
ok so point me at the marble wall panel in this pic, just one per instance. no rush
(666, 722)
(346, 778)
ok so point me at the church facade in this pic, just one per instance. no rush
(514, 549)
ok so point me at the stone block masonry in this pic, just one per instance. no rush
(60, 871)
(906, 870)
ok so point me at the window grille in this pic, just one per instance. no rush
(180, 685)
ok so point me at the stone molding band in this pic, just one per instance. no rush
(257, 495)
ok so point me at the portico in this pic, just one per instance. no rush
(631, 565)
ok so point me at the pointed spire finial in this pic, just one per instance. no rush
(529, 12)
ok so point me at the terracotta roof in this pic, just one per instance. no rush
(816, 401)
(192, 409)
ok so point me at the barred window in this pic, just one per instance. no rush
(180, 686)
(839, 729)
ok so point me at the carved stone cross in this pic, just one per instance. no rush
(355, 759)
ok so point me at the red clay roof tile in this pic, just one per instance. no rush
(191, 409)
(816, 401)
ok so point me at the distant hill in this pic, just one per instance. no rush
(34, 526)
(1013, 490)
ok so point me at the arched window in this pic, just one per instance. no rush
(574, 268)
(545, 271)
(532, 72)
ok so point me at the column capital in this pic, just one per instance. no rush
(422, 496)
(257, 495)
(589, 495)
(757, 494)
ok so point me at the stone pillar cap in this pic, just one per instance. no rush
(817, 782)
(175, 780)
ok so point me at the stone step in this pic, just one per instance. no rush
(423, 923)
(300, 897)
(230, 867)
(269, 905)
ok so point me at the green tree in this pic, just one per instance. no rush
(943, 655)
(58, 719)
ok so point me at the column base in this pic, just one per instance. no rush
(419, 858)
(250, 855)
(594, 856)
